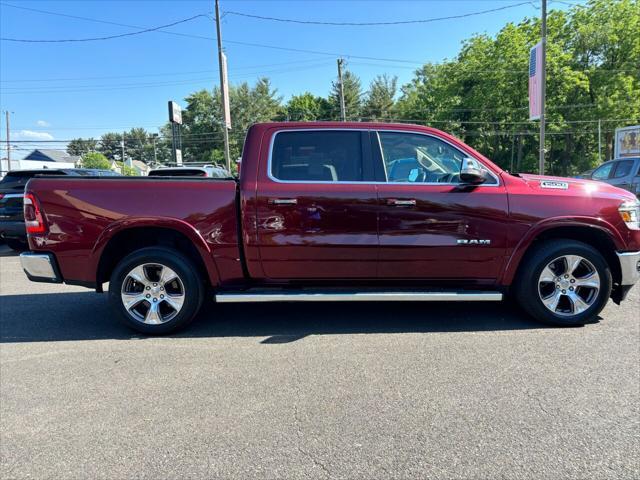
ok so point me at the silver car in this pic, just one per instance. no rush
(621, 172)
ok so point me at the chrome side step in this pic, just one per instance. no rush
(246, 297)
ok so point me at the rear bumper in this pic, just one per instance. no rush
(40, 267)
(629, 267)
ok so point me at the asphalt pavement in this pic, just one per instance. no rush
(475, 391)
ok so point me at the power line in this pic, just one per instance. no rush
(201, 37)
(131, 86)
(258, 45)
(147, 83)
(158, 74)
(107, 22)
(368, 24)
(110, 37)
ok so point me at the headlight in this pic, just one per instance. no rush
(630, 213)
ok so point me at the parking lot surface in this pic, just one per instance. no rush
(313, 391)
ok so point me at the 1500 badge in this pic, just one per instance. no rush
(554, 184)
(474, 241)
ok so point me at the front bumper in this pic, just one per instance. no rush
(40, 267)
(629, 267)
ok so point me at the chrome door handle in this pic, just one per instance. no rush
(283, 201)
(401, 203)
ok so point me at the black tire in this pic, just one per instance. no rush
(17, 245)
(190, 283)
(528, 291)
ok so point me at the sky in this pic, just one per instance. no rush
(64, 90)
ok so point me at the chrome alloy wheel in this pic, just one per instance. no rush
(152, 293)
(569, 285)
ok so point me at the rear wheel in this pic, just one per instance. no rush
(564, 282)
(156, 290)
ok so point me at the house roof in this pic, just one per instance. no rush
(47, 155)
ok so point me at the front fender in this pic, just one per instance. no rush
(549, 224)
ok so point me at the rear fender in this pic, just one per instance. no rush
(159, 222)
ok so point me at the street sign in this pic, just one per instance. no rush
(179, 157)
(225, 94)
(627, 143)
(535, 82)
(175, 113)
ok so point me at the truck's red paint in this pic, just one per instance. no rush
(336, 232)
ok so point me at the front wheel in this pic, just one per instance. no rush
(564, 282)
(156, 290)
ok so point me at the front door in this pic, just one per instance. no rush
(316, 213)
(431, 226)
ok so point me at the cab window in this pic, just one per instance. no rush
(623, 168)
(415, 158)
(317, 156)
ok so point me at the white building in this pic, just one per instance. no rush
(40, 158)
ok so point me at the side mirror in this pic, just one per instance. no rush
(471, 173)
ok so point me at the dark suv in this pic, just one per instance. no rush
(12, 228)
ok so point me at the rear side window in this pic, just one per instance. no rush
(17, 180)
(623, 168)
(317, 156)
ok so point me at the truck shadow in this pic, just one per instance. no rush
(87, 316)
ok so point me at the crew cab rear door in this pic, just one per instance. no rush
(431, 226)
(317, 205)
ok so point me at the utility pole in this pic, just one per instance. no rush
(8, 143)
(224, 91)
(599, 141)
(154, 136)
(543, 86)
(343, 113)
(122, 144)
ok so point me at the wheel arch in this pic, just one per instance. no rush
(121, 239)
(599, 235)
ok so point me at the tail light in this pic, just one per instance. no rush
(33, 215)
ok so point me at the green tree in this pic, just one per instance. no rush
(202, 128)
(307, 107)
(379, 101)
(138, 145)
(110, 145)
(352, 90)
(95, 160)
(80, 146)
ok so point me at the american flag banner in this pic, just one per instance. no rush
(535, 82)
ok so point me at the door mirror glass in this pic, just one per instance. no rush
(471, 172)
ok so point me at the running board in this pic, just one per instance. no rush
(247, 297)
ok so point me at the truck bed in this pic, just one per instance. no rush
(85, 214)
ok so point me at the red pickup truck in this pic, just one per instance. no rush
(338, 212)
